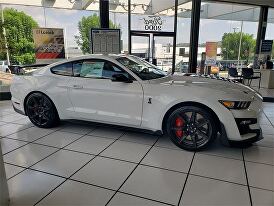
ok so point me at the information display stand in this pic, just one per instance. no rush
(105, 41)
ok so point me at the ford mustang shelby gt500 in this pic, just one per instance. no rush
(128, 91)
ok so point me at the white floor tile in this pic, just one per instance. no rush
(202, 191)
(178, 160)
(10, 144)
(156, 184)
(105, 172)
(121, 199)
(260, 175)
(139, 137)
(12, 170)
(107, 132)
(58, 139)
(262, 197)
(90, 144)
(28, 155)
(63, 163)
(219, 168)
(74, 193)
(126, 151)
(260, 155)
(30, 186)
(31, 134)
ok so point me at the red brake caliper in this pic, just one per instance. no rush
(179, 123)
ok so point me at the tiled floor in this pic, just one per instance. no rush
(89, 164)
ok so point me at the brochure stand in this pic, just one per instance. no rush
(4, 193)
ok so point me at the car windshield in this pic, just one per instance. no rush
(141, 68)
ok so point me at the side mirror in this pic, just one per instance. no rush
(121, 78)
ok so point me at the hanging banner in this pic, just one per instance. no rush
(49, 43)
(211, 53)
(105, 41)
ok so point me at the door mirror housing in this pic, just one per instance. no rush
(121, 78)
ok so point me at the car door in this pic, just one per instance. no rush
(96, 97)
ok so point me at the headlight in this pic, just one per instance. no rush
(235, 104)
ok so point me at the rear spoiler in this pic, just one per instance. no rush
(20, 69)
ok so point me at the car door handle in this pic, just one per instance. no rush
(77, 86)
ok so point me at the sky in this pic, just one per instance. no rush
(210, 29)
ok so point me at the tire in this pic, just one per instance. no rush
(41, 111)
(191, 128)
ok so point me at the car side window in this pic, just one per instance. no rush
(62, 69)
(96, 69)
(110, 69)
(88, 68)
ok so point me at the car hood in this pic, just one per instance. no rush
(218, 85)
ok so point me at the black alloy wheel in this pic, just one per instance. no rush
(41, 111)
(191, 128)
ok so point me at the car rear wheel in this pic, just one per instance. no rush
(41, 111)
(191, 128)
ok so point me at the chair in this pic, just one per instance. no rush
(232, 72)
(248, 74)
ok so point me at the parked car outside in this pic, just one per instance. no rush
(4, 67)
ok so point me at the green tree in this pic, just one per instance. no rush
(84, 27)
(230, 46)
(19, 35)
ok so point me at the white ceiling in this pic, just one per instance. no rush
(138, 6)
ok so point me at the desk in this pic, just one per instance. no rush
(267, 78)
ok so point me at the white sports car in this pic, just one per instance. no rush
(125, 90)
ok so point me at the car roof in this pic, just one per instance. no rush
(105, 56)
(89, 56)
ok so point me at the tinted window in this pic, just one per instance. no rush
(63, 69)
(96, 68)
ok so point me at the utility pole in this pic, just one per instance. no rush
(4, 34)
(240, 45)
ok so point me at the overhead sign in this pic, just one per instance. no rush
(49, 43)
(105, 41)
(211, 53)
(153, 23)
(266, 46)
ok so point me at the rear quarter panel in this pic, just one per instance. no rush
(50, 85)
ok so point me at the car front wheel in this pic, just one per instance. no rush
(191, 128)
(41, 111)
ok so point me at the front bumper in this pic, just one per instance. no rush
(248, 136)
(245, 142)
(17, 106)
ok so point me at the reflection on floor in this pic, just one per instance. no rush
(87, 164)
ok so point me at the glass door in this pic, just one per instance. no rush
(140, 46)
(162, 51)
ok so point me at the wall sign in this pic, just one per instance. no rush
(49, 43)
(266, 46)
(153, 23)
(105, 41)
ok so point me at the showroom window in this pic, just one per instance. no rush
(233, 30)
(270, 28)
